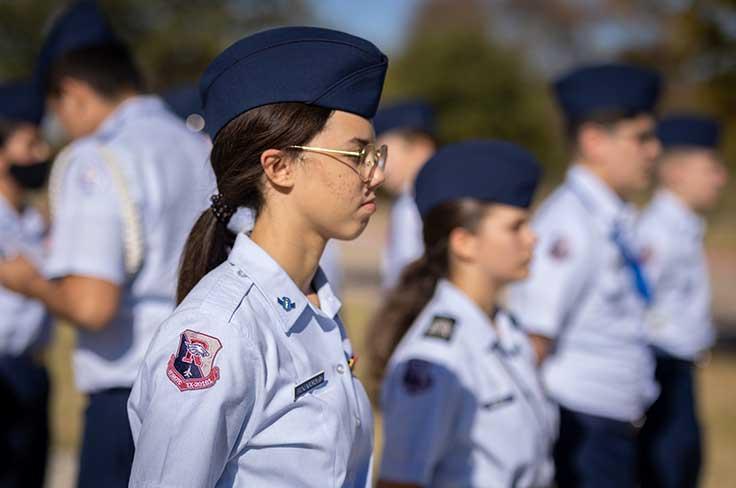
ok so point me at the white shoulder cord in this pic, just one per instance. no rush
(132, 233)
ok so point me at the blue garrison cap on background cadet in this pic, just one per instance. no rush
(24, 323)
(585, 299)
(277, 402)
(409, 128)
(462, 382)
(81, 24)
(680, 327)
(123, 196)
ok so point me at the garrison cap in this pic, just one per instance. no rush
(20, 101)
(591, 89)
(311, 65)
(488, 170)
(408, 115)
(689, 130)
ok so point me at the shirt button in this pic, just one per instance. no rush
(241, 273)
(340, 368)
(357, 421)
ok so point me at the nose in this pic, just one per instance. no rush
(377, 178)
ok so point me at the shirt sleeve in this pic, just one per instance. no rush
(188, 416)
(421, 400)
(86, 232)
(557, 278)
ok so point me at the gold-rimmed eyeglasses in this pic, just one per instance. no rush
(368, 158)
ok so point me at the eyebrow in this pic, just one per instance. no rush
(358, 141)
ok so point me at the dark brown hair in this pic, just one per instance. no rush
(108, 68)
(236, 161)
(419, 279)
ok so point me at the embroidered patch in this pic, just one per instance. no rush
(309, 385)
(441, 327)
(192, 367)
(560, 249)
(418, 376)
(286, 303)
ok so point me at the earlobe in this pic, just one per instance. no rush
(278, 167)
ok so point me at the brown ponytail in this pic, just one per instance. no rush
(419, 279)
(236, 161)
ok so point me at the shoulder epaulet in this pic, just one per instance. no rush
(441, 327)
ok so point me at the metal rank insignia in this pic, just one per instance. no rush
(286, 303)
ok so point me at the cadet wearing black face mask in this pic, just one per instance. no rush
(24, 323)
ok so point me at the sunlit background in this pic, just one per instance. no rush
(486, 66)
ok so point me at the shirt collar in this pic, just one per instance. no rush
(132, 107)
(488, 334)
(674, 209)
(280, 290)
(597, 197)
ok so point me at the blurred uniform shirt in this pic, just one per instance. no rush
(24, 323)
(249, 384)
(462, 402)
(671, 236)
(581, 293)
(405, 242)
(163, 167)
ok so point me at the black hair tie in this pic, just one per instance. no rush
(222, 210)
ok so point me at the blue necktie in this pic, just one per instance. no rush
(632, 262)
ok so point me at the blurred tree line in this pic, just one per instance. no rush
(485, 64)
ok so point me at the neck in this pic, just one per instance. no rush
(482, 290)
(12, 192)
(294, 248)
(683, 198)
(605, 178)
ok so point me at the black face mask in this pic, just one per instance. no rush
(31, 176)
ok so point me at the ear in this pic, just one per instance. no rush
(279, 168)
(591, 137)
(462, 244)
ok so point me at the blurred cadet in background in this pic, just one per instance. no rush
(24, 323)
(408, 128)
(585, 299)
(184, 101)
(124, 196)
(462, 401)
(691, 178)
(250, 381)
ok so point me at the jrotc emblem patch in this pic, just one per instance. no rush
(418, 376)
(441, 327)
(192, 367)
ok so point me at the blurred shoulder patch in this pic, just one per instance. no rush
(418, 376)
(441, 327)
(560, 249)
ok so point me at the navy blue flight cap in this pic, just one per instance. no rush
(311, 65)
(81, 24)
(408, 115)
(488, 170)
(20, 101)
(689, 130)
(183, 100)
(598, 88)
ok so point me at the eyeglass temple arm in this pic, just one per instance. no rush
(330, 151)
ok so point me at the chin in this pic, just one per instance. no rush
(350, 231)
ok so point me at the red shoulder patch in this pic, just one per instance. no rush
(192, 367)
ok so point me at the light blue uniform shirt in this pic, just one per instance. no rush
(671, 236)
(24, 323)
(581, 293)
(462, 402)
(164, 170)
(274, 403)
(405, 243)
